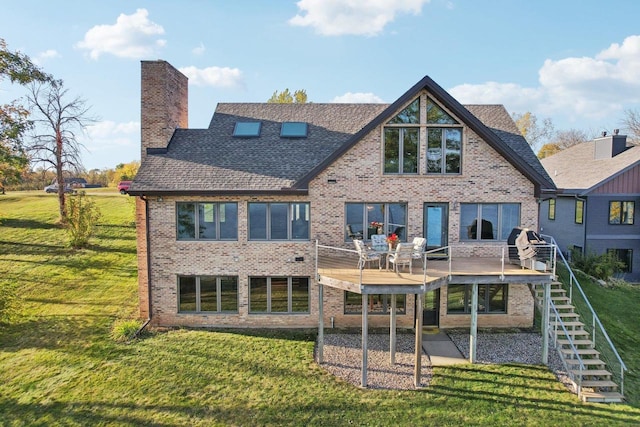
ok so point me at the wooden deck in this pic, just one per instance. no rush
(344, 274)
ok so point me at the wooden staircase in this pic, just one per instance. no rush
(593, 383)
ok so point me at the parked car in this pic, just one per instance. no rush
(53, 188)
(123, 186)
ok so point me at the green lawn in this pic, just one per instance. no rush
(58, 365)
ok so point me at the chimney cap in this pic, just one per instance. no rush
(604, 133)
(616, 131)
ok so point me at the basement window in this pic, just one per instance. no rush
(294, 130)
(247, 129)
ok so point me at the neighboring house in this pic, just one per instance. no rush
(228, 216)
(594, 212)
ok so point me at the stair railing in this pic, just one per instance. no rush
(580, 301)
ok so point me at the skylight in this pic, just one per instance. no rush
(247, 129)
(293, 130)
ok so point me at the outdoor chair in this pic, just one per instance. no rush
(403, 255)
(419, 245)
(366, 255)
(351, 233)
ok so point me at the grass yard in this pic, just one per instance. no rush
(59, 365)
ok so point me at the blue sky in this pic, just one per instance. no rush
(576, 62)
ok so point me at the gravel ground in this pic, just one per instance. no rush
(343, 357)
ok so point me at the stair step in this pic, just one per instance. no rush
(599, 384)
(565, 307)
(576, 342)
(580, 351)
(572, 323)
(569, 314)
(573, 332)
(592, 373)
(585, 362)
(609, 397)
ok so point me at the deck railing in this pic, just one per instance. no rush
(598, 334)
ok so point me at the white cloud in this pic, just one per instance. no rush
(357, 17)
(47, 54)
(214, 76)
(109, 142)
(589, 88)
(358, 98)
(199, 50)
(132, 36)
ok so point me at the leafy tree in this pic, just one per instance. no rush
(535, 134)
(285, 97)
(57, 122)
(125, 172)
(548, 149)
(83, 214)
(14, 118)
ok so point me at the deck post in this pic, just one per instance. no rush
(417, 370)
(392, 331)
(320, 322)
(473, 334)
(545, 323)
(365, 328)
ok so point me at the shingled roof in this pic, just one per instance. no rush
(576, 170)
(212, 161)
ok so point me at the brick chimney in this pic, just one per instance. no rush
(164, 103)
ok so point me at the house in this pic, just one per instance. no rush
(594, 211)
(231, 218)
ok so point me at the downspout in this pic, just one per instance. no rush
(148, 241)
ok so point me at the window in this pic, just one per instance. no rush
(444, 144)
(625, 256)
(552, 209)
(491, 299)
(278, 295)
(247, 129)
(206, 221)
(377, 304)
(401, 142)
(207, 294)
(279, 221)
(621, 212)
(579, 211)
(370, 218)
(488, 221)
(293, 130)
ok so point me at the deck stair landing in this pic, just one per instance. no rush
(593, 383)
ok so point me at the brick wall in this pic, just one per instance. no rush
(486, 177)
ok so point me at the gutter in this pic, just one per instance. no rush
(148, 241)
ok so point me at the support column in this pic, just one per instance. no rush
(473, 334)
(392, 330)
(417, 370)
(365, 327)
(320, 323)
(545, 323)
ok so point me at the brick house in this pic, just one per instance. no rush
(230, 217)
(594, 211)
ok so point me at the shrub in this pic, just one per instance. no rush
(601, 266)
(82, 216)
(124, 330)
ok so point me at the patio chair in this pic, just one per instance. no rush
(419, 245)
(402, 256)
(378, 240)
(366, 255)
(351, 233)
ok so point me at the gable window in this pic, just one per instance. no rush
(492, 298)
(579, 218)
(367, 219)
(278, 221)
(625, 256)
(444, 141)
(552, 209)
(247, 129)
(207, 294)
(376, 304)
(488, 221)
(206, 221)
(401, 141)
(293, 130)
(278, 295)
(621, 212)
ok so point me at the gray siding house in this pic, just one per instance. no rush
(598, 186)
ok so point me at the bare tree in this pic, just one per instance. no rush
(632, 123)
(57, 123)
(571, 137)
